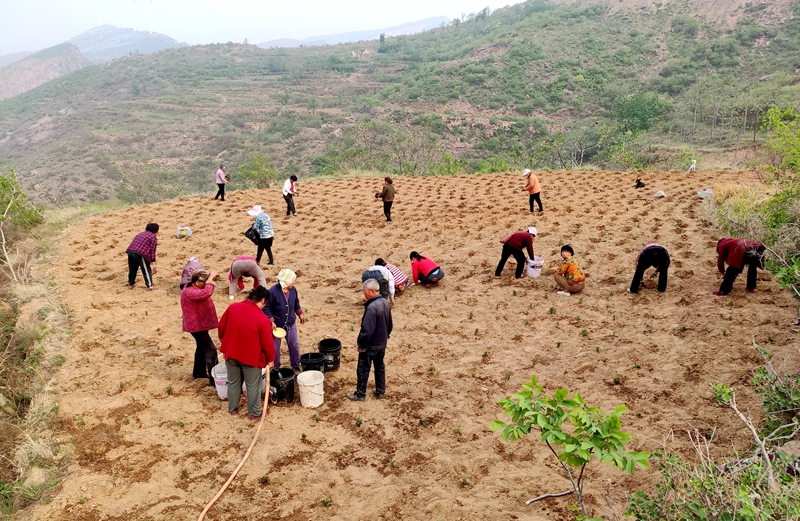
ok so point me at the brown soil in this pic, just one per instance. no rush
(139, 452)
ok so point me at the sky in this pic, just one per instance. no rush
(32, 25)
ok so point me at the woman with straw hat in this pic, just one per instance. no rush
(283, 309)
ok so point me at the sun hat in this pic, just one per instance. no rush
(532, 230)
(255, 211)
(526, 172)
(286, 277)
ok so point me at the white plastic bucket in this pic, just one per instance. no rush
(535, 267)
(705, 194)
(310, 384)
(220, 375)
(263, 383)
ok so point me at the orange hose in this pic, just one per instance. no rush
(264, 411)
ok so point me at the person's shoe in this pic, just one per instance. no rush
(255, 418)
(718, 293)
(270, 263)
(152, 288)
(131, 286)
(356, 398)
(563, 293)
(378, 396)
(297, 369)
(429, 286)
(750, 290)
(629, 291)
(234, 412)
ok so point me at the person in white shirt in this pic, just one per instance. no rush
(384, 278)
(289, 190)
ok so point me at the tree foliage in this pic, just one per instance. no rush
(784, 140)
(258, 171)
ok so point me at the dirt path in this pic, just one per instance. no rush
(139, 452)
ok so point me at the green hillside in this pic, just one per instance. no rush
(538, 84)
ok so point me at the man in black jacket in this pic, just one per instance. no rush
(376, 326)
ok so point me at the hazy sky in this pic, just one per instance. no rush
(31, 25)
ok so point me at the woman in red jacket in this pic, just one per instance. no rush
(247, 343)
(200, 316)
(738, 253)
(424, 270)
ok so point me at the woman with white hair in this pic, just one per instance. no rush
(283, 309)
(263, 225)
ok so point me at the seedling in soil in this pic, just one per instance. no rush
(352, 327)
(525, 321)
(263, 480)
(463, 482)
(327, 502)
(558, 344)
(408, 344)
(470, 315)
(552, 311)
(584, 332)
(578, 318)
(770, 339)
(535, 361)
(79, 419)
(458, 431)
(344, 450)
(169, 389)
(596, 349)
(473, 375)
(179, 424)
(431, 369)
(510, 453)
(485, 354)
(81, 498)
(580, 301)
(391, 463)
(480, 406)
(423, 422)
(637, 366)
(724, 332)
(516, 336)
(565, 371)
(127, 419)
(515, 293)
(613, 317)
(683, 299)
(436, 326)
(358, 422)
(683, 328)
(317, 417)
(617, 380)
(508, 376)
(303, 437)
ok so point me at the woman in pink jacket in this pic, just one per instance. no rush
(199, 317)
(424, 270)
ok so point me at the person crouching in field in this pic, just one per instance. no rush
(384, 277)
(738, 253)
(376, 328)
(533, 188)
(142, 255)
(652, 255)
(424, 270)
(190, 267)
(387, 196)
(515, 245)
(569, 276)
(199, 317)
(246, 336)
(400, 279)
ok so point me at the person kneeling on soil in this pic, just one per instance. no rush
(569, 276)
(200, 316)
(652, 255)
(424, 270)
(376, 327)
(737, 253)
(247, 343)
(400, 279)
(515, 245)
(383, 276)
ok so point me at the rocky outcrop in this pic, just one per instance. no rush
(39, 68)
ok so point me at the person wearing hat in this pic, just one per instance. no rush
(221, 180)
(263, 225)
(199, 317)
(283, 309)
(569, 276)
(533, 188)
(515, 244)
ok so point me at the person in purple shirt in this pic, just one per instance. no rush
(142, 255)
(221, 180)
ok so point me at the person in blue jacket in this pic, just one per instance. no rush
(283, 309)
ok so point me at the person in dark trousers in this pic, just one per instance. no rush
(376, 327)
(263, 225)
(737, 253)
(221, 180)
(142, 255)
(653, 255)
(289, 191)
(425, 270)
(515, 244)
(283, 309)
(533, 188)
(387, 196)
(199, 317)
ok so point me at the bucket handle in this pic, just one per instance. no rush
(309, 389)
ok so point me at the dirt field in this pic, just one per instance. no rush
(139, 452)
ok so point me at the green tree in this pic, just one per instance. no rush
(784, 139)
(16, 214)
(258, 171)
(637, 113)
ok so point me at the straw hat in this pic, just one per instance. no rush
(255, 211)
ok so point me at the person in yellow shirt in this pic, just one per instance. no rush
(533, 188)
(569, 276)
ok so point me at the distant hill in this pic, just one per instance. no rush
(357, 36)
(106, 42)
(8, 59)
(41, 67)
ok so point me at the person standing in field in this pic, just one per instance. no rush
(533, 188)
(376, 327)
(569, 276)
(199, 317)
(283, 309)
(142, 255)
(652, 255)
(221, 180)
(246, 337)
(515, 245)
(289, 191)
(263, 225)
(387, 196)
(738, 253)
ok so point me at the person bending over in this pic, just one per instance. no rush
(424, 270)
(515, 245)
(738, 253)
(652, 255)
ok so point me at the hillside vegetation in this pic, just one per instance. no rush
(537, 84)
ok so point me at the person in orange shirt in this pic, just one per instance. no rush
(533, 188)
(569, 276)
